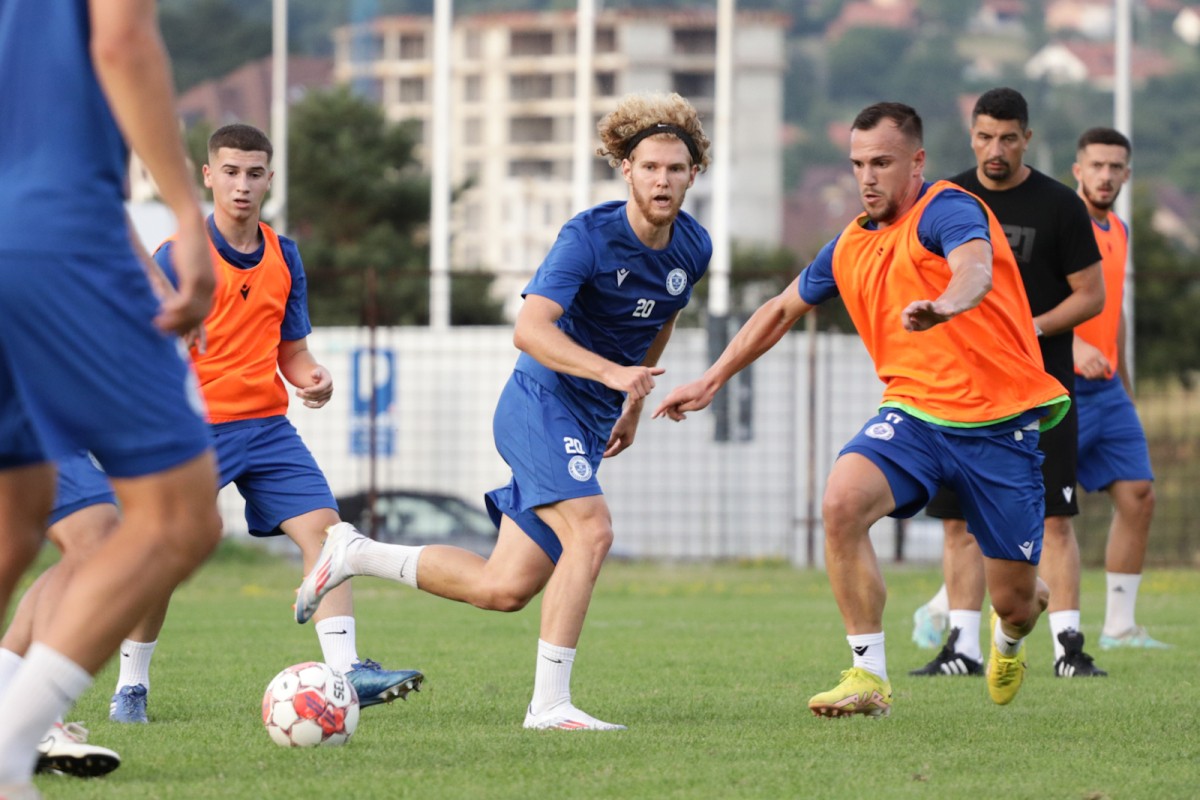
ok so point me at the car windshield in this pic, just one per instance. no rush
(414, 516)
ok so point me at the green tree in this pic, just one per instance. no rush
(209, 38)
(359, 206)
(1166, 302)
(862, 63)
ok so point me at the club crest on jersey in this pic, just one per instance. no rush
(579, 468)
(881, 430)
(676, 281)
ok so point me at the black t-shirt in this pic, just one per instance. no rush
(1050, 234)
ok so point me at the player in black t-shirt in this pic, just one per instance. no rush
(1051, 236)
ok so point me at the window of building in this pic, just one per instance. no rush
(606, 84)
(473, 88)
(412, 46)
(412, 90)
(474, 44)
(531, 168)
(531, 43)
(694, 84)
(539, 86)
(366, 46)
(695, 42)
(606, 40)
(531, 130)
(473, 131)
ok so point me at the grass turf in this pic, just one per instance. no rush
(710, 666)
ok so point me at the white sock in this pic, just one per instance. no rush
(940, 602)
(869, 653)
(45, 686)
(552, 678)
(135, 663)
(1062, 621)
(1120, 602)
(1006, 645)
(10, 662)
(967, 623)
(393, 562)
(339, 645)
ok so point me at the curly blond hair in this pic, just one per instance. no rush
(638, 112)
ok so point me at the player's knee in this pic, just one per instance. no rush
(504, 598)
(843, 512)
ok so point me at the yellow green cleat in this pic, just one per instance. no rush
(860, 692)
(1004, 673)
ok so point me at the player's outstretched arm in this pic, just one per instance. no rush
(536, 334)
(134, 72)
(623, 432)
(765, 327)
(970, 281)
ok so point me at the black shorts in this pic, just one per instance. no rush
(1060, 444)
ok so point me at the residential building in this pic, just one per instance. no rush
(513, 106)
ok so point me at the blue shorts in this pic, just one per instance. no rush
(273, 470)
(82, 367)
(996, 473)
(552, 455)
(81, 483)
(1112, 442)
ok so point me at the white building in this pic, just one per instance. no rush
(512, 115)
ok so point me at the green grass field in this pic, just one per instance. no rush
(710, 666)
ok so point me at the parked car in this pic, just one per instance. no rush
(418, 518)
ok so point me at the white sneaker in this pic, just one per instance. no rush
(566, 717)
(64, 750)
(329, 571)
(24, 791)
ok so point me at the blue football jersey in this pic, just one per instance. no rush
(62, 158)
(616, 294)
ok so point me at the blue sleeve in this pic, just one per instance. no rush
(816, 280)
(296, 324)
(162, 257)
(569, 265)
(951, 219)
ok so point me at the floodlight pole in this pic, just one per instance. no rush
(279, 114)
(585, 46)
(1123, 121)
(439, 139)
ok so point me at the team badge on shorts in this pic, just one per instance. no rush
(676, 281)
(881, 430)
(579, 468)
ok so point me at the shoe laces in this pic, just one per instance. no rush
(367, 663)
(74, 731)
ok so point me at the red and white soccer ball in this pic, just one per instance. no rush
(310, 704)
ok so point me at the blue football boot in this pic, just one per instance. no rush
(375, 685)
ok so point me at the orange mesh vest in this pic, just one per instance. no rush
(1101, 330)
(238, 372)
(982, 366)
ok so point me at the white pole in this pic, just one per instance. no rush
(439, 139)
(279, 114)
(1123, 121)
(585, 46)
(718, 275)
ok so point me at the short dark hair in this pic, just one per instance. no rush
(1100, 135)
(1002, 103)
(906, 118)
(240, 136)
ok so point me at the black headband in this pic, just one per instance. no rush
(663, 127)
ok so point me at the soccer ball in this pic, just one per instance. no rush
(310, 704)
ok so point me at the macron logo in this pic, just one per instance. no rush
(1067, 492)
(858, 651)
(622, 274)
(1027, 549)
